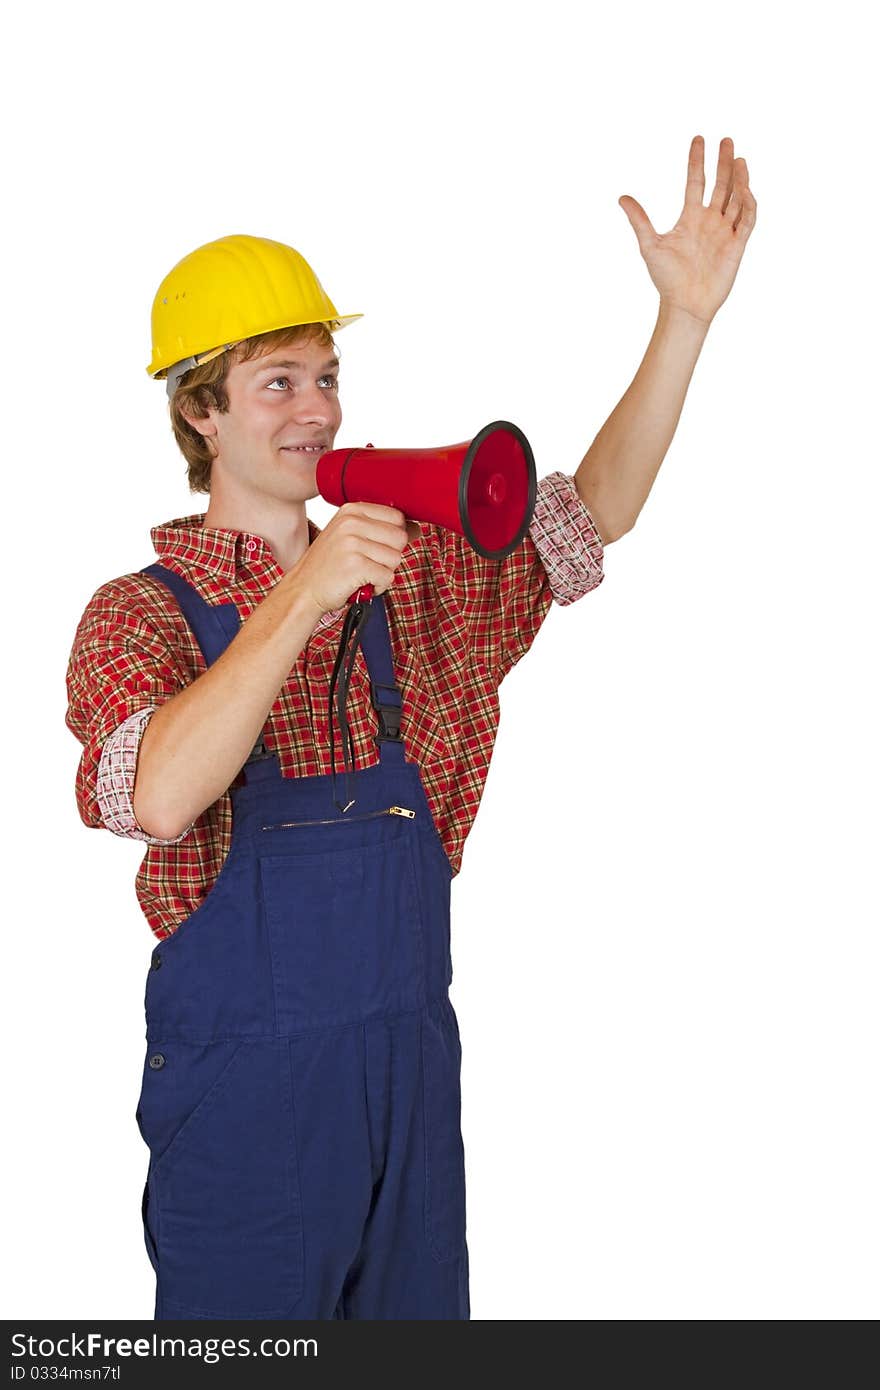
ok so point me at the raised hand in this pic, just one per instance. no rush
(694, 265)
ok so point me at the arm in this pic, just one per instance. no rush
(126, 668)
(116, 777)
(693, 267)
(223, 711)
(618, 471)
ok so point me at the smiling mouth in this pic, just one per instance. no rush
(304, 449)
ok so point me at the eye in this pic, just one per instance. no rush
(333, 380)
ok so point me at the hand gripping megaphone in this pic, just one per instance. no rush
(483, 489)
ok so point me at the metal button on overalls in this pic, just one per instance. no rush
(306, 1158)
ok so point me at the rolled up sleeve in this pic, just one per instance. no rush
(117, 770)
(565, 537)
(124, 662)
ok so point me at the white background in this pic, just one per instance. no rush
(665, 929)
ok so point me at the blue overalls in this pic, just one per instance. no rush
(301, 1088)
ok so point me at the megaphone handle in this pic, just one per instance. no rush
(365, 592)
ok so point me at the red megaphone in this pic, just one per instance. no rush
(484, 489)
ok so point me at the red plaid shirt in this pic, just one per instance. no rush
(458, 623)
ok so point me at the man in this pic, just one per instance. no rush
(301, 1087)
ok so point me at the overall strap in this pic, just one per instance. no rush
(376, 646)
(366, 626)
(215, 625)
(212, 624)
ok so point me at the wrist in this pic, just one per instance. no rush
(300, 598)
(674, 314)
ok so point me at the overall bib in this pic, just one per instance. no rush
(301, 1088)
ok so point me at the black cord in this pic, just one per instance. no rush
(352, 631)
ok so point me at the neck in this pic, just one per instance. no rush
(283, 526)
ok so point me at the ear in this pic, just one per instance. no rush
(205, 427)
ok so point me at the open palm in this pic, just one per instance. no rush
(694, 265)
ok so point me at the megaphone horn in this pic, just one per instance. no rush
(483, 489)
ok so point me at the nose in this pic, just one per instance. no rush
(315, 406)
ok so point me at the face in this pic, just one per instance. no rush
(278, 403)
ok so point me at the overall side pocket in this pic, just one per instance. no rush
(226, 1187)
(178, 1078)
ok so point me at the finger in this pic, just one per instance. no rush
(639, 221)
(749, 214)
(695, 185)
(381, 512)
(740, 183)
(734, 202)
(724, 176)
(386, 555)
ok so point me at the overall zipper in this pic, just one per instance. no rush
(389, 811)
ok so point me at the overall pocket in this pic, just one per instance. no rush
(444, 1149)
(344, 928)
(149, 1239)
(224, 1185)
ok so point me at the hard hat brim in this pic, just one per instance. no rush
(206, 354)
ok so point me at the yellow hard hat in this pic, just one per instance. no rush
(228, 290)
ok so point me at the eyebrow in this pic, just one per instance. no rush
(270, 366)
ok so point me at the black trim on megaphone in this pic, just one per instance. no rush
(463, 485)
